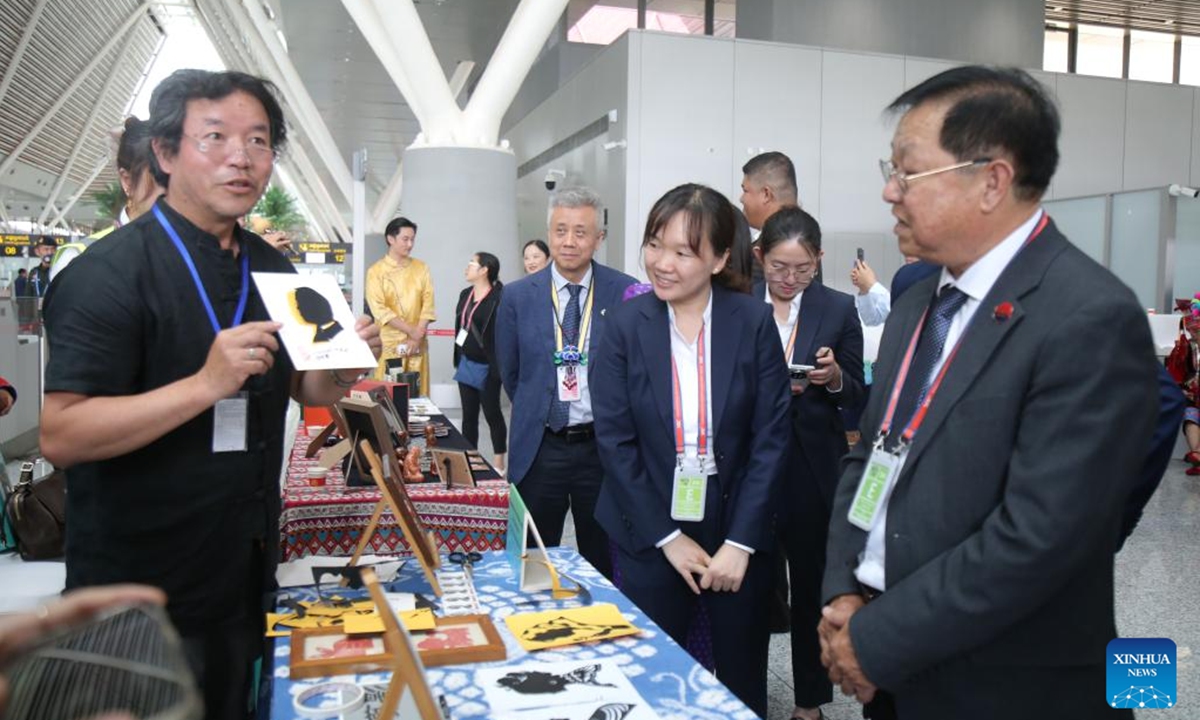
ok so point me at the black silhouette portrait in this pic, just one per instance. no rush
(535, 682)
(314, 309)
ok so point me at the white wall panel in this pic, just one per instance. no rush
(777, 106)
(1158, 134)
(855, 134)
(918, 70)
(602, 85)
(685, 114)
(1093, 136)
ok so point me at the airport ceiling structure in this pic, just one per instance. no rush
(70, 68)
(1169, 16)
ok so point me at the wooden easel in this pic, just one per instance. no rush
(396, 496)
(408, 672)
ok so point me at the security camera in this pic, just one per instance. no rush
(1177, 190)
(551, 182)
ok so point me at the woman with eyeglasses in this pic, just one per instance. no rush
(476, 371)
(820, 333)
(690, 404)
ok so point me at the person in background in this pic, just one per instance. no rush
(277, 239)
(689, 501)
(137, 182)
(549, 328)
(8, 396)
(400, 293)
(474, 345)
(818, 327)
(536, 256)
(872, 300)
(21, 283)
(1184, 365)
(768, 184)
(39, 276)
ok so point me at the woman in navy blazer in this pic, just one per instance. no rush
(818, 327)
(694, 329)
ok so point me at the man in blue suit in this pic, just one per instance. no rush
(545, 362)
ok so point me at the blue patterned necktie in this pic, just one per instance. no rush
(948, 302)
(560, 411)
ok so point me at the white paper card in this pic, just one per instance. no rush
(318, 325)
(555, 685)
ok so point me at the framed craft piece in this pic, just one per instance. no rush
(453, 467)
(396, 496)
(408, 691)
(325, 651)
(360, 420)
(460, 639)
(318, 325)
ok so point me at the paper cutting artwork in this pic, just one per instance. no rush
(451, 638)
(556, 628)
(312, 308)
(325, 647)
(596, 690)
(318, 325)
(540, 683)
(585, 711)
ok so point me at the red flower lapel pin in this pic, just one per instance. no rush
(1003, 311)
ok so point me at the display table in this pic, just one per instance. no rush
(329, 520)
(667, 678)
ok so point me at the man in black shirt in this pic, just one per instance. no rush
(167, 389)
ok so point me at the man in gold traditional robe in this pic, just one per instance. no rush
(400, 294)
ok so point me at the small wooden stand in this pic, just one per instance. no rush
(396, 496)
(408, 672)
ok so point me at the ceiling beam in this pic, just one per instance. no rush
(236, 56)
(31, 26)
(117, 36)
(79, 193)
(86, 132)
(286, 77)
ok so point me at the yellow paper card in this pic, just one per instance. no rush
(414, 621)
(272, 619)
(570, 626)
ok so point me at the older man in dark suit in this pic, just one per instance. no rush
(548, 326)
(970, 560)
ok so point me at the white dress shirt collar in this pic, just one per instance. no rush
(978, 279)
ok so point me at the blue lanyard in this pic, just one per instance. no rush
(187, 258)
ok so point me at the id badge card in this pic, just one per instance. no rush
(874, 488)
(688, 492)
(230, 417)
(461, 338)
(568, 384)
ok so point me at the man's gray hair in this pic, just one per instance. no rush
(576, 197)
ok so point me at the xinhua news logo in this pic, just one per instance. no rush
(1141, 673)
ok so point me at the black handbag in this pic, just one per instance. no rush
(38, 514)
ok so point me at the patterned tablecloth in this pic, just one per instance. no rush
(329, 520)
(662, 672)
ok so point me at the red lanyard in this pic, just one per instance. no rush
(918, 417)
(466, 321)
(702, 394)
(791, 345)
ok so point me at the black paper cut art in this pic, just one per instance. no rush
(565, 627)
(544, 683)
(314, 309)
(611, 711)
